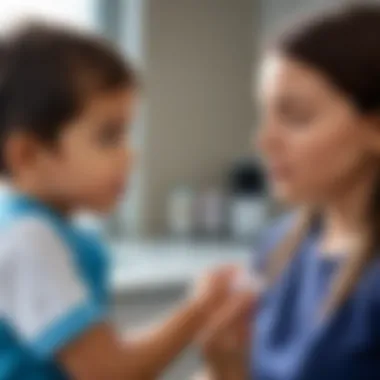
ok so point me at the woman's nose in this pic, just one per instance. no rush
(261, 139)
(267, 139)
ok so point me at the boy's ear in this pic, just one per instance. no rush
(21, 151)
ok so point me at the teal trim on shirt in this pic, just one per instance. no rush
(67, 328)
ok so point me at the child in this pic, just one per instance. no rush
(65, 100)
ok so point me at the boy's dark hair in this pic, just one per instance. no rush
(47, 74)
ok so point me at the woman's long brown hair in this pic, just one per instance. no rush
(344, 46)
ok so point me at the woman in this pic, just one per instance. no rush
(320, 315)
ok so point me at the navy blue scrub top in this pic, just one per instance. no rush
(289, 341)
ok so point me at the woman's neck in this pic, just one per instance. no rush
(345, 217)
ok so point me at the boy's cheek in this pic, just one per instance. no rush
(103, 194)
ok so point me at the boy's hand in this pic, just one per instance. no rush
(214, 288)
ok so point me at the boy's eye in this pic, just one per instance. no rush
(111, 134)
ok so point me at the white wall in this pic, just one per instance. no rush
(199, 115)
(276, 13)
(80, 13)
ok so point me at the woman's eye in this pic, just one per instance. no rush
(298, 118)
(293, 113)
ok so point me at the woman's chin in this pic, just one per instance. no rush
(286, 195)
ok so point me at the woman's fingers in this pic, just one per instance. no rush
(226, 338)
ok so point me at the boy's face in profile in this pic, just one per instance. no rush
(89, 165)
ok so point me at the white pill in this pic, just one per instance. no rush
(245, 281)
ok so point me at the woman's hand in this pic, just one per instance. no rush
(225, 341)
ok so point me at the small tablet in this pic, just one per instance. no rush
(249, 281)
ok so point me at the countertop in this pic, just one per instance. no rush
(153, 265)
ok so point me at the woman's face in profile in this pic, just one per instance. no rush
(312, 138)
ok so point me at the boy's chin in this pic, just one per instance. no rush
(103, 208)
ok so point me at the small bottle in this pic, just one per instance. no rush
(248, 202)
(181, 211)
(211, 215)
(246, 281)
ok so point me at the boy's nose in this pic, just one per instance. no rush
(129, 158)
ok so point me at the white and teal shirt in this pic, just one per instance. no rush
(53, 287)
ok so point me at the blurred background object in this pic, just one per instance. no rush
(248, 200)
(181, 212)
(195, 199)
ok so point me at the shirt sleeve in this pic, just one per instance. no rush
(51, 305)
